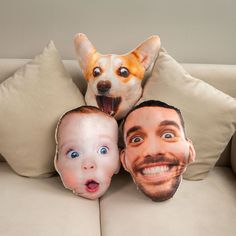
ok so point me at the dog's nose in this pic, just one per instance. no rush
(103, 86)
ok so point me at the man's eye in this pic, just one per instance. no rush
(124, 72)
(97, 71)
(103, 150)
(73, 154)
(168, 135)
(136, 140)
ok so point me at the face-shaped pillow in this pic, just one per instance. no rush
(157, 150)
(87, 154)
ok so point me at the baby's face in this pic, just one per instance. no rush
(88, 155)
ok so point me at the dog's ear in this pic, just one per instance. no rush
(84, 50)
(147, 51)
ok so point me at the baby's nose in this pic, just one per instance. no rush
(88, 166)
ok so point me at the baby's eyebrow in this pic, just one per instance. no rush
(66, 145)
(132, 130)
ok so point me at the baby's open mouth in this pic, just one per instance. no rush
(109, 105)
(92, 186)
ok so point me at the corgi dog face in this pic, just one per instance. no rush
(114, 81)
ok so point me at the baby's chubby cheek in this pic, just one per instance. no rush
(68, 177)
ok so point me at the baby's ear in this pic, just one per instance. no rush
(84, 50)
(118, 169)
(123, 160)
(147, 51)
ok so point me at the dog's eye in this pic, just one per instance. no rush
(97, 71)
(123, 71)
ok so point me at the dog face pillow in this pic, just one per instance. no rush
(156, 151)
(87, 154)
(114, 81)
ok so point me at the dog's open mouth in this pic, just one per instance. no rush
(109, 105)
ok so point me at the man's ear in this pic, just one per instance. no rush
(147, 51)
(123, 160)
(84, 50)
(192, 153)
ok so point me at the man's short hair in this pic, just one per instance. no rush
(155, 103)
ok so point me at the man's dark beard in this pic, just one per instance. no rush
(155, 159)
(163, 196)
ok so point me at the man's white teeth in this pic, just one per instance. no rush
(155, 170)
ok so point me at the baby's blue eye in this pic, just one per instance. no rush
(103, 150)
(73, 154)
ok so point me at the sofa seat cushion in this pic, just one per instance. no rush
(206, 207)
(43, 207)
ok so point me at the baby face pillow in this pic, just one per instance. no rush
(157, 150)
(87, 154)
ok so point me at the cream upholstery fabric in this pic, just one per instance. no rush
(9, 67)
(206, 207)
(31, 102)
(43, 207)
(221, 77)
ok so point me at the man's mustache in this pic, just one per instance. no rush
(151, 159)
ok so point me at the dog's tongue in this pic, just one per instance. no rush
(108, 104)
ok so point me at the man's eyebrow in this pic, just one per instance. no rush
(132, 130)
(170, 122)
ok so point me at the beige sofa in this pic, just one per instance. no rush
(42, 206)
(192, 31)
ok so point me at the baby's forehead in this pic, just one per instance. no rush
(91, 124)
(89, 120)
(87, 116)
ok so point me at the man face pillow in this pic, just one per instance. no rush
(87, 153)
(157, 150)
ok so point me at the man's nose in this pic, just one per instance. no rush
(154, 147)
(88, 165)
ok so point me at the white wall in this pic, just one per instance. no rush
(199, 31)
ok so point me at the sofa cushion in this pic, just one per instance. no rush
(31, 102)
(222, 77)
(203, 107)
(43, 207)
(204, 207)
(8, 66)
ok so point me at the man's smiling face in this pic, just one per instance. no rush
(156, 150)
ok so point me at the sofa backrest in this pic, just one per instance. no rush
(223, 77)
